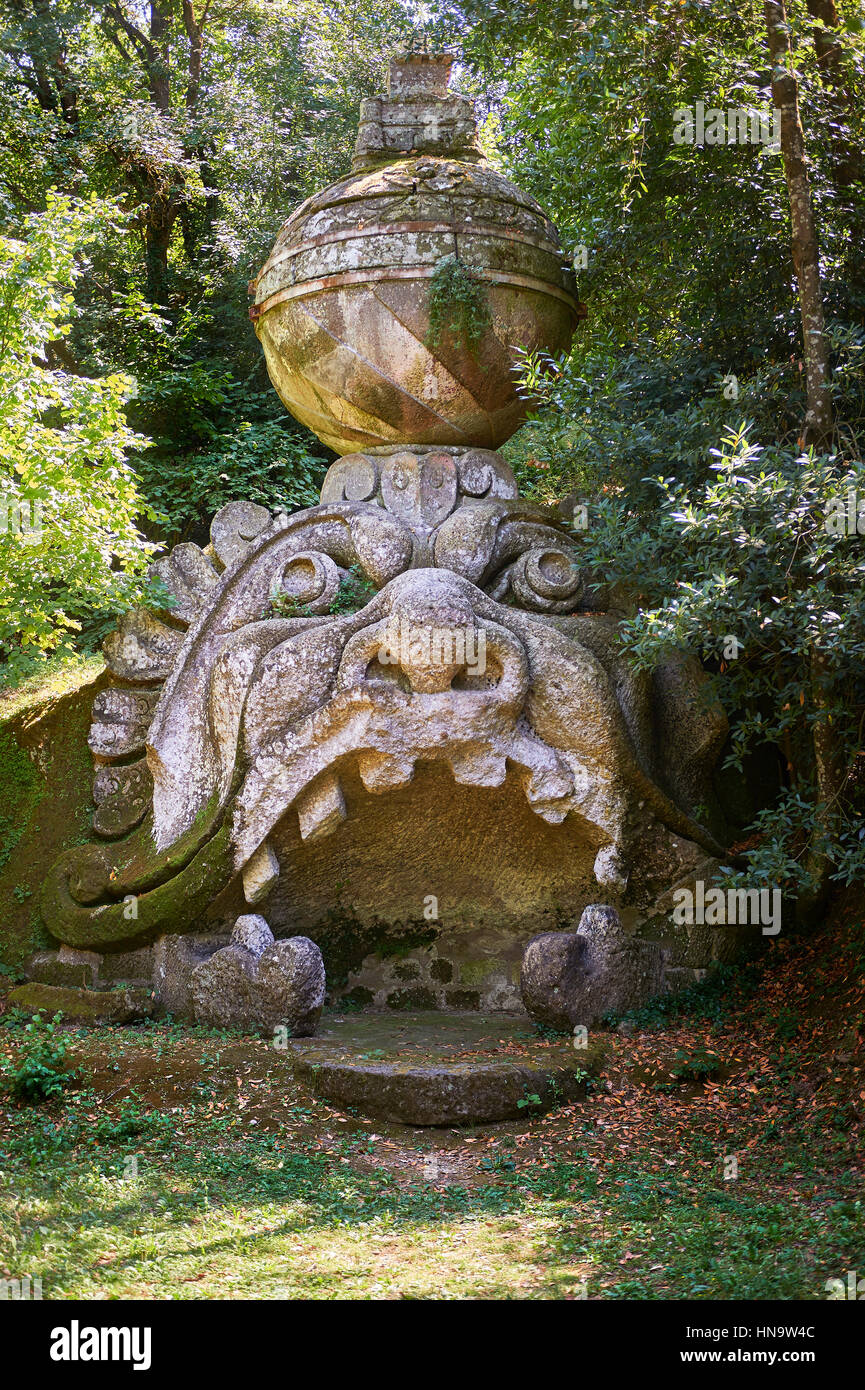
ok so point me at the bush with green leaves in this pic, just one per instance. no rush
(41, 1072)
(265, 461)
(746, 570)
(354, 591)
(69, 501)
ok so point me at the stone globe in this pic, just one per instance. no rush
(394, 304)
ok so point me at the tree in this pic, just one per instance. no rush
(69, 544)
(806, 253)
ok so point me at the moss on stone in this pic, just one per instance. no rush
(345, 941)
(83, 1005)
(476, 972)
(417, 998)
(463, 999)
(406, 970)
(46, 772)
(442, 971)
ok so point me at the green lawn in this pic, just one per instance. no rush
(186, 1164)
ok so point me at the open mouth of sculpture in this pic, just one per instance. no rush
(397, 702)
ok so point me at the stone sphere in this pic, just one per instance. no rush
(342, 306)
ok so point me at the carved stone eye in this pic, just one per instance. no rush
(311, 579)
(547, 579)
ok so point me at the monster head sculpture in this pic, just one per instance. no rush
(411, 692)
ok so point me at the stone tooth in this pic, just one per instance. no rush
(479, 769)
(260, 873)
(380, 773)
(321, 807)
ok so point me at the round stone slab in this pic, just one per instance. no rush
(434, 1068)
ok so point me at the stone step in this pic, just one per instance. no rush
(84, 1005)
(431, 1068)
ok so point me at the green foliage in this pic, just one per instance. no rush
(725, 988)
(745, 570)
(695, 1064)
(458, 306)
(69, 543)
(283, 605)
(41, 1072)
(354, 592)
(528, 1099)
(266, 461)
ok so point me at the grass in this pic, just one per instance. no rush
(188, 1164)
(57, 677)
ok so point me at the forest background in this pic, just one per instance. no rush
(710, 415)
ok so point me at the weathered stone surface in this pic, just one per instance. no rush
(174, 959)
(84, 1005)
(132, 967)
(221, 990)
(122, 795)
(552, 979)
(573, 979)
(190, 578)
(342, 304)
(260, 873)
(234, 529)
(256, 984)
(121, 719)
(434, 1069)
(252, 933)
(290, 987)
(141, 648)
(77, 969)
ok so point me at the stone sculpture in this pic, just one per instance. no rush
(571, 979)
(260, 984)
(258, 718)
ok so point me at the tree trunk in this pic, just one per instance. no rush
(829, 768)
(846, 156)
(159, 72)
(785, 94)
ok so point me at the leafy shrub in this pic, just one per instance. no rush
(41, 1072)
(69, 500)
(270, 462)
(355, 591)
(697, 1065)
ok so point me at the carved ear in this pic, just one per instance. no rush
(311, 580)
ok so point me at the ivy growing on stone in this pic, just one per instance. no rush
(458, 306)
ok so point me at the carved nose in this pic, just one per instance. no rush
(430, 656)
